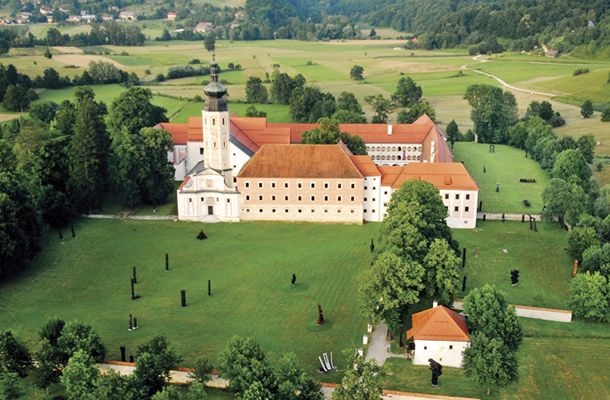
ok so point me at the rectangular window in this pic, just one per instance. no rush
(247, 197)
(313, 198)
(385, 193)
(286, 198)
(286, 185)
(260, 184)
(353, 185)
(299, 185)
(313, 185)
(325, 198)
(286, 210)
(201, 150)
(300, 198)
(313, 211)
(338, 198)
(366, 199)
(339, 185)
(467, 197)
(260, 197)
(190, 200)
(425, 347)
(273, 210)
(352, 198)
(457, 196)
(450, 347)
(447, 196)
(457, 208)
(300, 211)
(273, 184)
(272, 198)
(260, 210)
(466, 209)
(247, 184)
(203, 198)
(325, 211)
(338, 211)
(373, 199)
(374, 188)
(325, 185)
(365, 188)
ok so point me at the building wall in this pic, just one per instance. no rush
(292, 199)
(462, 207)
(448, 354)
(394, 153)
(372, 202)
(207, 191)
(216, 140)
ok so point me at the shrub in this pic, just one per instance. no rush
(580, 71)
(606, 114)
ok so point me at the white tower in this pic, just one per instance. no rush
(216, 128)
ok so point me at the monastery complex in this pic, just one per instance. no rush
(245, 169)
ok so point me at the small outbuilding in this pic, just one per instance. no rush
(440, 334)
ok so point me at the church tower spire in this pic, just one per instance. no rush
(216, 126)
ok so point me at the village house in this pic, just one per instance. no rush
(204, 27)
(46, 10)
(171, 16)
(128, 16)
(441, 334)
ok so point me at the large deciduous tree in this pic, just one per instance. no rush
(154, 359)
(417, 110)
(381, 106)
(489, 313)
(494, 111)
(572, 167)
(356, 73)
(282, 86)
(442, 272)
(309, 104)
(255, 91)
(489, 362)
(389, 287)
(362, 381)
(590, 296)
(407, 92)
(14, 356)
(562, 200)
(80, 376)
(329, 132)
(133, 110)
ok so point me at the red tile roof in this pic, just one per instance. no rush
(365, 165)
(444, 176)
(179, 131)
(300, 161)
(439, 323)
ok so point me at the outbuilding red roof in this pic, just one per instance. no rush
(439, 323)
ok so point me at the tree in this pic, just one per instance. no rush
(586, 110)
(348, 117)
(14, 356)
(442, 279)
(489, 313)
(17, 98)
(295, 380)
(407, 92)
(494, 111)
(590, 296)
(580, 239)
(586, 145)
(21, 229)
(243, 363)
(252, 112)
(381, 107)
(349, 110)
(363, 381)
(489, 362)
(309, 104)
(203, 369)
(154, 359)
(10, 386)
(104, 72)
(196, 391)
(80, 376)
(159, 171)
(417, 110)
(133, 110)
(282, 86)
(572, 167)
(372, 33)
(255, 91)
(596, 258)
(329, 132)
(77, 336)
(356, 73)
(453, 132)
(416, 216)
(43, 111)
(606, 114)
(113, 386)
(168, 393)
(562, 199)
(389, 287)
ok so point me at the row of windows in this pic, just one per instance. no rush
(300, 198)
(408, 158)
(457, 209)
(312, 185)
(203, 199)
(392, 148)
(224, 121)
(457, 196)
(300, 211)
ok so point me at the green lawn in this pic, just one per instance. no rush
(545, 269)
(276, 113)
(506, 166)
(250, 266)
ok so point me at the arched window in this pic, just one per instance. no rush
(409, 148)
(223, 121)
(213, 121)
(419, 157)
(398, 158)
(399, 149)
(408, 157)
(393, 148)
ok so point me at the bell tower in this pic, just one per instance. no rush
(216, 127)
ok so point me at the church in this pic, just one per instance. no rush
(246, 169)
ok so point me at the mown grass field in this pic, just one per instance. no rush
(545, 268)
(505, 166)
(249, 265)
(276, 113)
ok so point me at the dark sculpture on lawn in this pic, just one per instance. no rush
(320, 315)
(437, 370)
(372, 246)
(294, 279)
(201, 235)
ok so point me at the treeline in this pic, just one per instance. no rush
(61, 160)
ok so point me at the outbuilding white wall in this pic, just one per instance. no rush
(448, 354)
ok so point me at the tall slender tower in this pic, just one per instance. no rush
(216, 127)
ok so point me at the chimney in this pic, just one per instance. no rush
(389, 130)
(435, 304)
